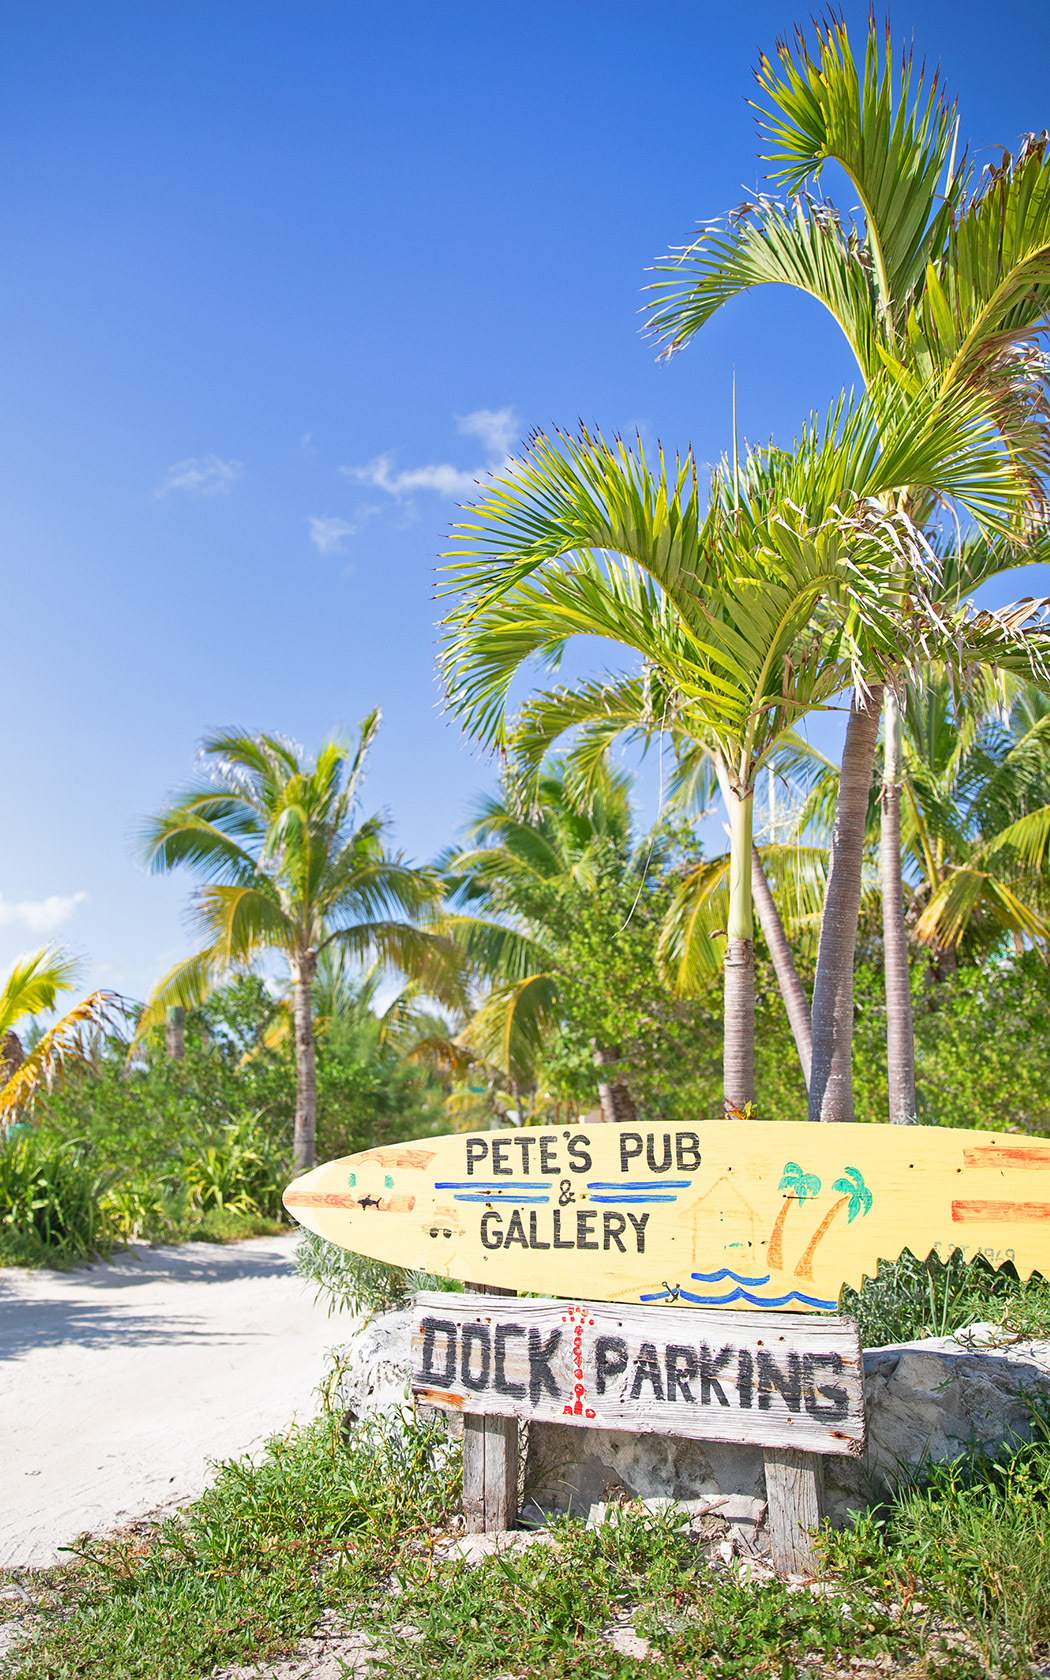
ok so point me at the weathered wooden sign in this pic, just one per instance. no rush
(770, 1379)
(747, 1214)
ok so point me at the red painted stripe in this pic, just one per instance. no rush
(1001, 1213)
(991, 1156)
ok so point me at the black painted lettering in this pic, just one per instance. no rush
(610, 1360)
(471, 1336)
(515, 1231)
(524, 1143)
(500, 1380)
(540, 1374)
(745, 1379)
(710, 1369)
(631, 1147)
(787, 1383)
(491, 1239)
(501, 1167)
(477, 1149)
(584, 1221)
(836, 1405)
(615, 1226)
(681, 1366)
(650, 1153)
(639, 1221)
(687, 1151)
(432, 1328)
(548, 1159)
(534, 1240)
(579, 1154)
(558, 1243)
(647, 1370)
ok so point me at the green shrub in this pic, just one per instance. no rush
(355, 1283)
(52, 1200)
(932, 1297)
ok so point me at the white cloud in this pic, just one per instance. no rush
(328, 535)
(40, 915)
(446, 480)
(201, 475)
(495, 427)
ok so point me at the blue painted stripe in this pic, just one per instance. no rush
(507, 1201)
(640, 1184)
(486, 1184)
(644, 1201)
(716, 1277)
(755, 1300)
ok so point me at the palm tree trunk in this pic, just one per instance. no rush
(804, 1269)
(175, 1031)
(783, 964)
(831, 1080)
(900, 1037)
(304, 1151)
(738, 1070)
(616, 1101)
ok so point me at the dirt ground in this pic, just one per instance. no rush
(119, 1383)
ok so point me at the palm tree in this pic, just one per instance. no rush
(801, 1185)
(636, 708)
(31, 989)
(761, 610)
(286, 867)
(853, 1194)
(942, 281)
(526, 851)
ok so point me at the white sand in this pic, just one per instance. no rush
(119, 1383)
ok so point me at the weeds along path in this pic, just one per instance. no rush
(118, 1383)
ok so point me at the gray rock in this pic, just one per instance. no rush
(377, 1365)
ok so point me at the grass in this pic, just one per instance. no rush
(950, 1579)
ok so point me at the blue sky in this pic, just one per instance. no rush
(277, 280)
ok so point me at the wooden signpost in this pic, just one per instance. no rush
(735, 1221)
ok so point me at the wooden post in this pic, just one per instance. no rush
(794, 1490)
(490, 1460)
(175, 1031)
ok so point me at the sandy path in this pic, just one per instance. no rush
(118, 1383)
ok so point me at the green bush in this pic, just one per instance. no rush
(354, 1282)
(52, 1200)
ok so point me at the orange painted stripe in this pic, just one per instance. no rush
(1001, 1213)
(331, 1198)
(318, 1198)
(991, 1156)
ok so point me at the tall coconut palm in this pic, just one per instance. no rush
(755, 612)
(940, 277)
(287, 867)
(31, 988)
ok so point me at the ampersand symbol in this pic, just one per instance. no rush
(566, 1192)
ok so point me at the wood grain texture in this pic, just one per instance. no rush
(768, 1379)
(490, 1463)
(794, 1494)
(747, 1214)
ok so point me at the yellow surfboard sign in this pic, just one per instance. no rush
(722, 1214)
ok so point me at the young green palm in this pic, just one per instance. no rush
(754, 613)
(286, 868)
(526, 850)
(939, 279)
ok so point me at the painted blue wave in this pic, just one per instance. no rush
(640, 1184)
(716, 1277)
(738, 1295)
(504, 1201)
